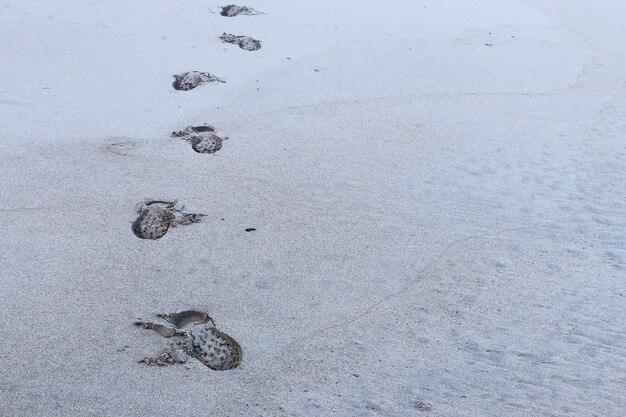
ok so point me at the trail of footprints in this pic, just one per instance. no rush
(192, 333)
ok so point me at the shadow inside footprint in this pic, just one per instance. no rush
(155, 217)
(184, 318)
(245, 42)
(203, 138)
(192, 79)
(193, 334)
(232, 10)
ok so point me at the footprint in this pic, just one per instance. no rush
(120, 147)
(190, 80)
(194, 334)
(203, 138)
(156, 217)
(422, 405)
(245, 42)
(232, 10)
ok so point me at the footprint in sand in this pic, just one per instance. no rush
(120, 147)
(190, 80)
(203, 138)
(193, 334)
(422, 405)
(232, 10)
(156, 217)
(245, 42)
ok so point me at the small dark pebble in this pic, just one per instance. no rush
(250, 229)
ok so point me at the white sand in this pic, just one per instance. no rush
(437, 219)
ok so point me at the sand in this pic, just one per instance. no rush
(437, 189)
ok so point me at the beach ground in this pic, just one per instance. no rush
(437, 192)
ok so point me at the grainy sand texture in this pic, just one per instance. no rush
(420, 209)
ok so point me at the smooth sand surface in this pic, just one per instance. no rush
(438, 189)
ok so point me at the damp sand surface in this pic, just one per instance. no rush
(437, 193)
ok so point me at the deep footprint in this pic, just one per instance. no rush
(232, 10)
(203, 138)
(156, 217)
(245, 42)
(192, 79)
(194, 334)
